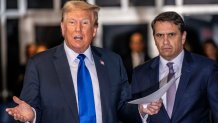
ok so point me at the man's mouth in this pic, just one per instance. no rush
(78, 38)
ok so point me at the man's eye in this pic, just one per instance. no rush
(85, 22)
(171, 34)
(159, 35)
(72, 22)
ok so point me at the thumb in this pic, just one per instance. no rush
(17, 100)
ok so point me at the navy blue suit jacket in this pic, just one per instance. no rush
(48, 86)
(197, 90)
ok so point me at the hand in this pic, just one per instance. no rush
(152, 108)
(22, 112)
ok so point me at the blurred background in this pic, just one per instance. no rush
(31, 26)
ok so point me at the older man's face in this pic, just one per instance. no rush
(78, 29)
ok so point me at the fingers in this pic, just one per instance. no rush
(156, 105)
(16, 114)
(152, 108)
(11, 111)
(142, 109)
(22, 112)
(17, 100)
(20, 118)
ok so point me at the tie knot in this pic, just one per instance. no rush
(170, 66)
(81, 57)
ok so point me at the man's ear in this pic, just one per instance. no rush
(95, 31)
(62, 28)
(184, 34)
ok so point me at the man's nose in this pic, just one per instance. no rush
(78, 27)
(166, 39)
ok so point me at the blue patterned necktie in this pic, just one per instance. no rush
(85, 93)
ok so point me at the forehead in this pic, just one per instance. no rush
(165, 27)
(209, 45)
(83, 14)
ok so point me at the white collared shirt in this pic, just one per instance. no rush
(137, 59)
(90, 64)
(164, 70)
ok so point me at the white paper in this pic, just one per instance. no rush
(155, 95)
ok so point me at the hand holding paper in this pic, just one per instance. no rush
(150, 109)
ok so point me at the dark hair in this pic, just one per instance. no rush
(210, 41)
(169, 16)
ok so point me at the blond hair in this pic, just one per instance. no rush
(73, 5)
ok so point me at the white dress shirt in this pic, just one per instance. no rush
(163, 72)
(90, 64)
(137, 59)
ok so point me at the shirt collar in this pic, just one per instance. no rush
(177, 60)
(73, 55)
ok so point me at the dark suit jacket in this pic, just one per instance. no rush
(128, 63)
(196, 94)
(48, 86)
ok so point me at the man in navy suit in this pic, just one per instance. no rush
(195, 92)
(50, 91)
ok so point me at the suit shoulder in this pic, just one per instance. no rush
(45, 55)
(199, 59)
(104, 52)
(147, 65)
(201, 63)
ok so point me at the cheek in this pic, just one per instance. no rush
(90, 29)
(178, 46)
(90, 33)
(69, 30)
(158, 44)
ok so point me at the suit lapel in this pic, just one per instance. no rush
(155, 76)
(65, 79)
(155, 70)
(103, 78)
(184, 80)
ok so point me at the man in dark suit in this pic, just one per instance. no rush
(138, 53)
(191, 97)
(75, 82)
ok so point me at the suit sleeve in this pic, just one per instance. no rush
(30, 91)
(212, 91)
(128, 113)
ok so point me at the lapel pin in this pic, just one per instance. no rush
(102, 62)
